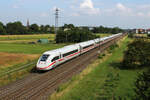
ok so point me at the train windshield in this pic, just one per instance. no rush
(44, 57)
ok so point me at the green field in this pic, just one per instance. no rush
(103, 35)
(27, 37)
(28, 48)
(104, 82)
(20, 43)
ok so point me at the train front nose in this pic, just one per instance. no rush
(43, 62)
(41, 66)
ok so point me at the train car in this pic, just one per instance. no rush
(97, 42)
(86, 46)
(70, 52)
(51, 59)
(46, 61)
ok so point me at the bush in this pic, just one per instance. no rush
(131, 35)
(101, 56)
(142, 84)
(74, 35)
(112, 47)
(137, 55)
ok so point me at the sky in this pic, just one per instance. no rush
(108, 13)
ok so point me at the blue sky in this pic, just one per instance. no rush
(110, 13)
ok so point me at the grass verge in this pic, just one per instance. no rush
(15, 72)
(102, 80)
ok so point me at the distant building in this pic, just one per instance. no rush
(140, 31)
(28, 24)
(148, 31)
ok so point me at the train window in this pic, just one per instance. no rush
(55, 58)
(69, 53)
(88, 46)
(98, 42)
(44, 57)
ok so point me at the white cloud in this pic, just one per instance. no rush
(87, 4)
(146, 6)
(119, 9)
(75, 14)
(15, 6)
(44, 14)
(123, 8)
(87, 7)
(140, 14)
(148, 14)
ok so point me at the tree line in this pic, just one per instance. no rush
(14, 28)
(70, 33)
(102, 29)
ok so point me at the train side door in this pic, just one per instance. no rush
(80, 48)
(59, 60)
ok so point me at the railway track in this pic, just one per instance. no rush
(38, 86)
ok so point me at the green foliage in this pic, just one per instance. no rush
(101, 56)
(137, 55)
(112, 47)
(102, 29)
(74, 34)
(69, 26)
(143, 86)
(15, 28)
(2, 29)
(34, 28)
(131, 35)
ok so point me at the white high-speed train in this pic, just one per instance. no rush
(51, 59)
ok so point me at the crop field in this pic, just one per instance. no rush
(27, 37)
(103, 35)
(9, 59)
(103, 82)
(141, 35)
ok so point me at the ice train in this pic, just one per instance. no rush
(51, 59)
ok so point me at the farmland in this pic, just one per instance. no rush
(28, 48)
(103, 35)
(27, 37)
(17, 51)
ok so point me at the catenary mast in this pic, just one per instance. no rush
(56, 20)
